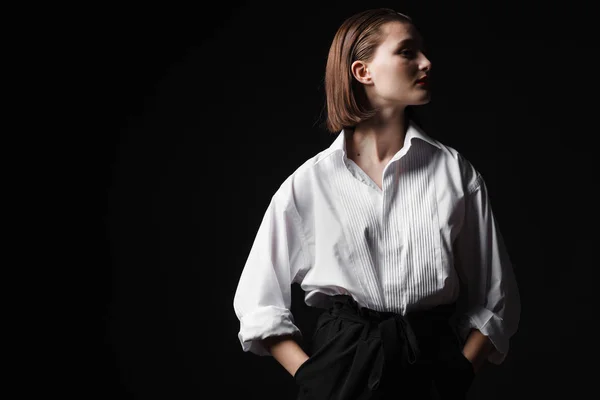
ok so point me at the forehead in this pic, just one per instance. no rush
(395, 32)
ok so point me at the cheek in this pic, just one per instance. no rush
(410, 69)
(394, 76)
(406, 76)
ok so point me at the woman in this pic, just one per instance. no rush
(389, 231)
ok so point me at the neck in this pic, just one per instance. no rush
(378, 139)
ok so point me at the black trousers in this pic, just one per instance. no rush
(357, 353)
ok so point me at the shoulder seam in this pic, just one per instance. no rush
(475, 185)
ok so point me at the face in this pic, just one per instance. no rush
(393, 76)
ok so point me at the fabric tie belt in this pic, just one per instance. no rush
(400, 345)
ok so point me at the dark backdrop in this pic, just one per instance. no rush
(204, 112)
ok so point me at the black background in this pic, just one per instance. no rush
(199, 115)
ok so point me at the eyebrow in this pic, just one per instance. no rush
(408, 41)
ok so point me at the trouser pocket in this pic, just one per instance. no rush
(464, 362)
(453, 373)
(339, 362)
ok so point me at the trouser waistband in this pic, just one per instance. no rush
(398, 332)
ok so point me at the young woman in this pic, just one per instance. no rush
(389, 231)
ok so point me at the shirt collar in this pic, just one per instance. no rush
(413, 131)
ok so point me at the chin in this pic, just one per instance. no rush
(422, 101)
(420, 98)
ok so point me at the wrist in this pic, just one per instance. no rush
(299, 363)
(477, 348)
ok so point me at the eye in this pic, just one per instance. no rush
(408, 53)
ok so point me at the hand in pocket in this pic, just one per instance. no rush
(299, 367)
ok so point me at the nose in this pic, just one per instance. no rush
(424, 63)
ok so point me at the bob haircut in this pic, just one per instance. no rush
(356, 39)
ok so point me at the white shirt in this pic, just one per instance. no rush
(404, 247)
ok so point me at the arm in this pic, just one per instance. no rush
(263, 297)
(483, 264)
(477, 348)
(286, 351)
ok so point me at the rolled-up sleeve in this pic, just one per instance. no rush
(263, 296)
(482, 261)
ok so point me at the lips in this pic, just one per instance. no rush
(423, 80)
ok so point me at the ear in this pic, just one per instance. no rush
(361, 73)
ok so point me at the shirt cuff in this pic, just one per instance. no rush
(262, 323)
(490, 325)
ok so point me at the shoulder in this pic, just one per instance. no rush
(297, 188)
(454, 160)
